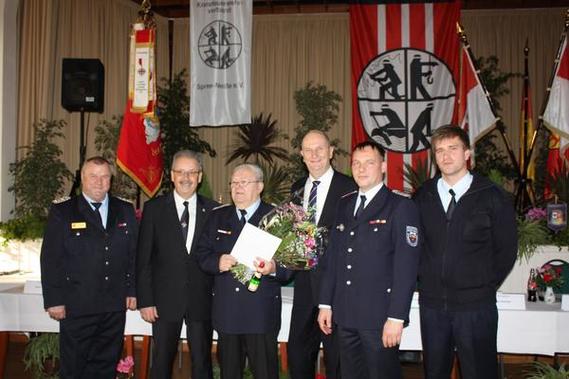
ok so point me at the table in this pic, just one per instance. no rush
(541, 329)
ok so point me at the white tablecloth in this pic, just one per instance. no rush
(540, 329)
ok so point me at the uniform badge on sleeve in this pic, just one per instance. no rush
(412, 236)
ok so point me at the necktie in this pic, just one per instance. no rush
(312, 199)
(451, 205)
(185, 221)
(243, 213)
(361, 207)
(97, 206)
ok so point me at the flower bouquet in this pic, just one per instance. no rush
(125, 368)
(549, 276)
(302, 240)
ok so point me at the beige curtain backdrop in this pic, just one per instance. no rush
(288, 51)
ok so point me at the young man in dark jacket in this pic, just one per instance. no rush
(470, 245)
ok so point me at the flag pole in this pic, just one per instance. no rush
(524, 188)
(499, 124)
(552, 77)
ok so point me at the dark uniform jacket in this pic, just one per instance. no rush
(167, 276)
(87, 268)
(235, 309)
(464, 262)
(370, 266)
(307, 283)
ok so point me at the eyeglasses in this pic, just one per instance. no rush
(242, 183)
(186, 173)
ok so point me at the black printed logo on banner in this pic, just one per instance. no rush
(220, 44)
(403, 95)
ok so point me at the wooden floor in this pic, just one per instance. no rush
(514, 367)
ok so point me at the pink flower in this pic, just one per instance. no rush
(125, 365)
(536, 214)
(310, 243)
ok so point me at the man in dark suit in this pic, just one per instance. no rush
(87, 267)
(320, 190)
(171, 287)
(370, 270)
(247, 323)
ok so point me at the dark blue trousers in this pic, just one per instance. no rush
(472, 333)
(304, 345)
(362, 355)
(166, 336)
(91, 346)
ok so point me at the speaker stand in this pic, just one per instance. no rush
(82, 150)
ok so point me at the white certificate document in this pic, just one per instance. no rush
(252, 243)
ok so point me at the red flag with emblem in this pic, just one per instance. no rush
(405, 60)
(138, 152)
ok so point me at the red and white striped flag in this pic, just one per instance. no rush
(475, 113)
(556, 114)
(405, 60)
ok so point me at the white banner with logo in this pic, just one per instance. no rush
(220, 45)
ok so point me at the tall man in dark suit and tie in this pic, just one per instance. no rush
(170, 285)
(247, 323)
(320, 190)
(370, 270)
(87, 267)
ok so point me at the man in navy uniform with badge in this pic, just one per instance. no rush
(171, 287)
(370, 270)
(247, 323)
(321, 190)
(87, 267)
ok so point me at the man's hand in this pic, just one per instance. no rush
(149, 314)
(57, 313)
(226, 261)
(265, 267)
(392, 331)
(131, 303)
(325, 320)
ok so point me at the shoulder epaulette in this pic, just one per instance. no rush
(61, 200)
(402, 193)
(125, 199)
(348, 194)
(220, 206)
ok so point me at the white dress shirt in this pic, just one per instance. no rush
(459, 189)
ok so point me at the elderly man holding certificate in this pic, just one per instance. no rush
(247, 322)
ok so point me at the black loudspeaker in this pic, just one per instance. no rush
(83, 85)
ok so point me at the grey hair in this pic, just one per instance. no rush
(190, 154)
(251, 167)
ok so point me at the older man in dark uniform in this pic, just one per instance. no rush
(370, 270)
(87, 266)
(171, 287)
(247, 323)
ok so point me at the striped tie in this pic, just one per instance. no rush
(312, 200)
